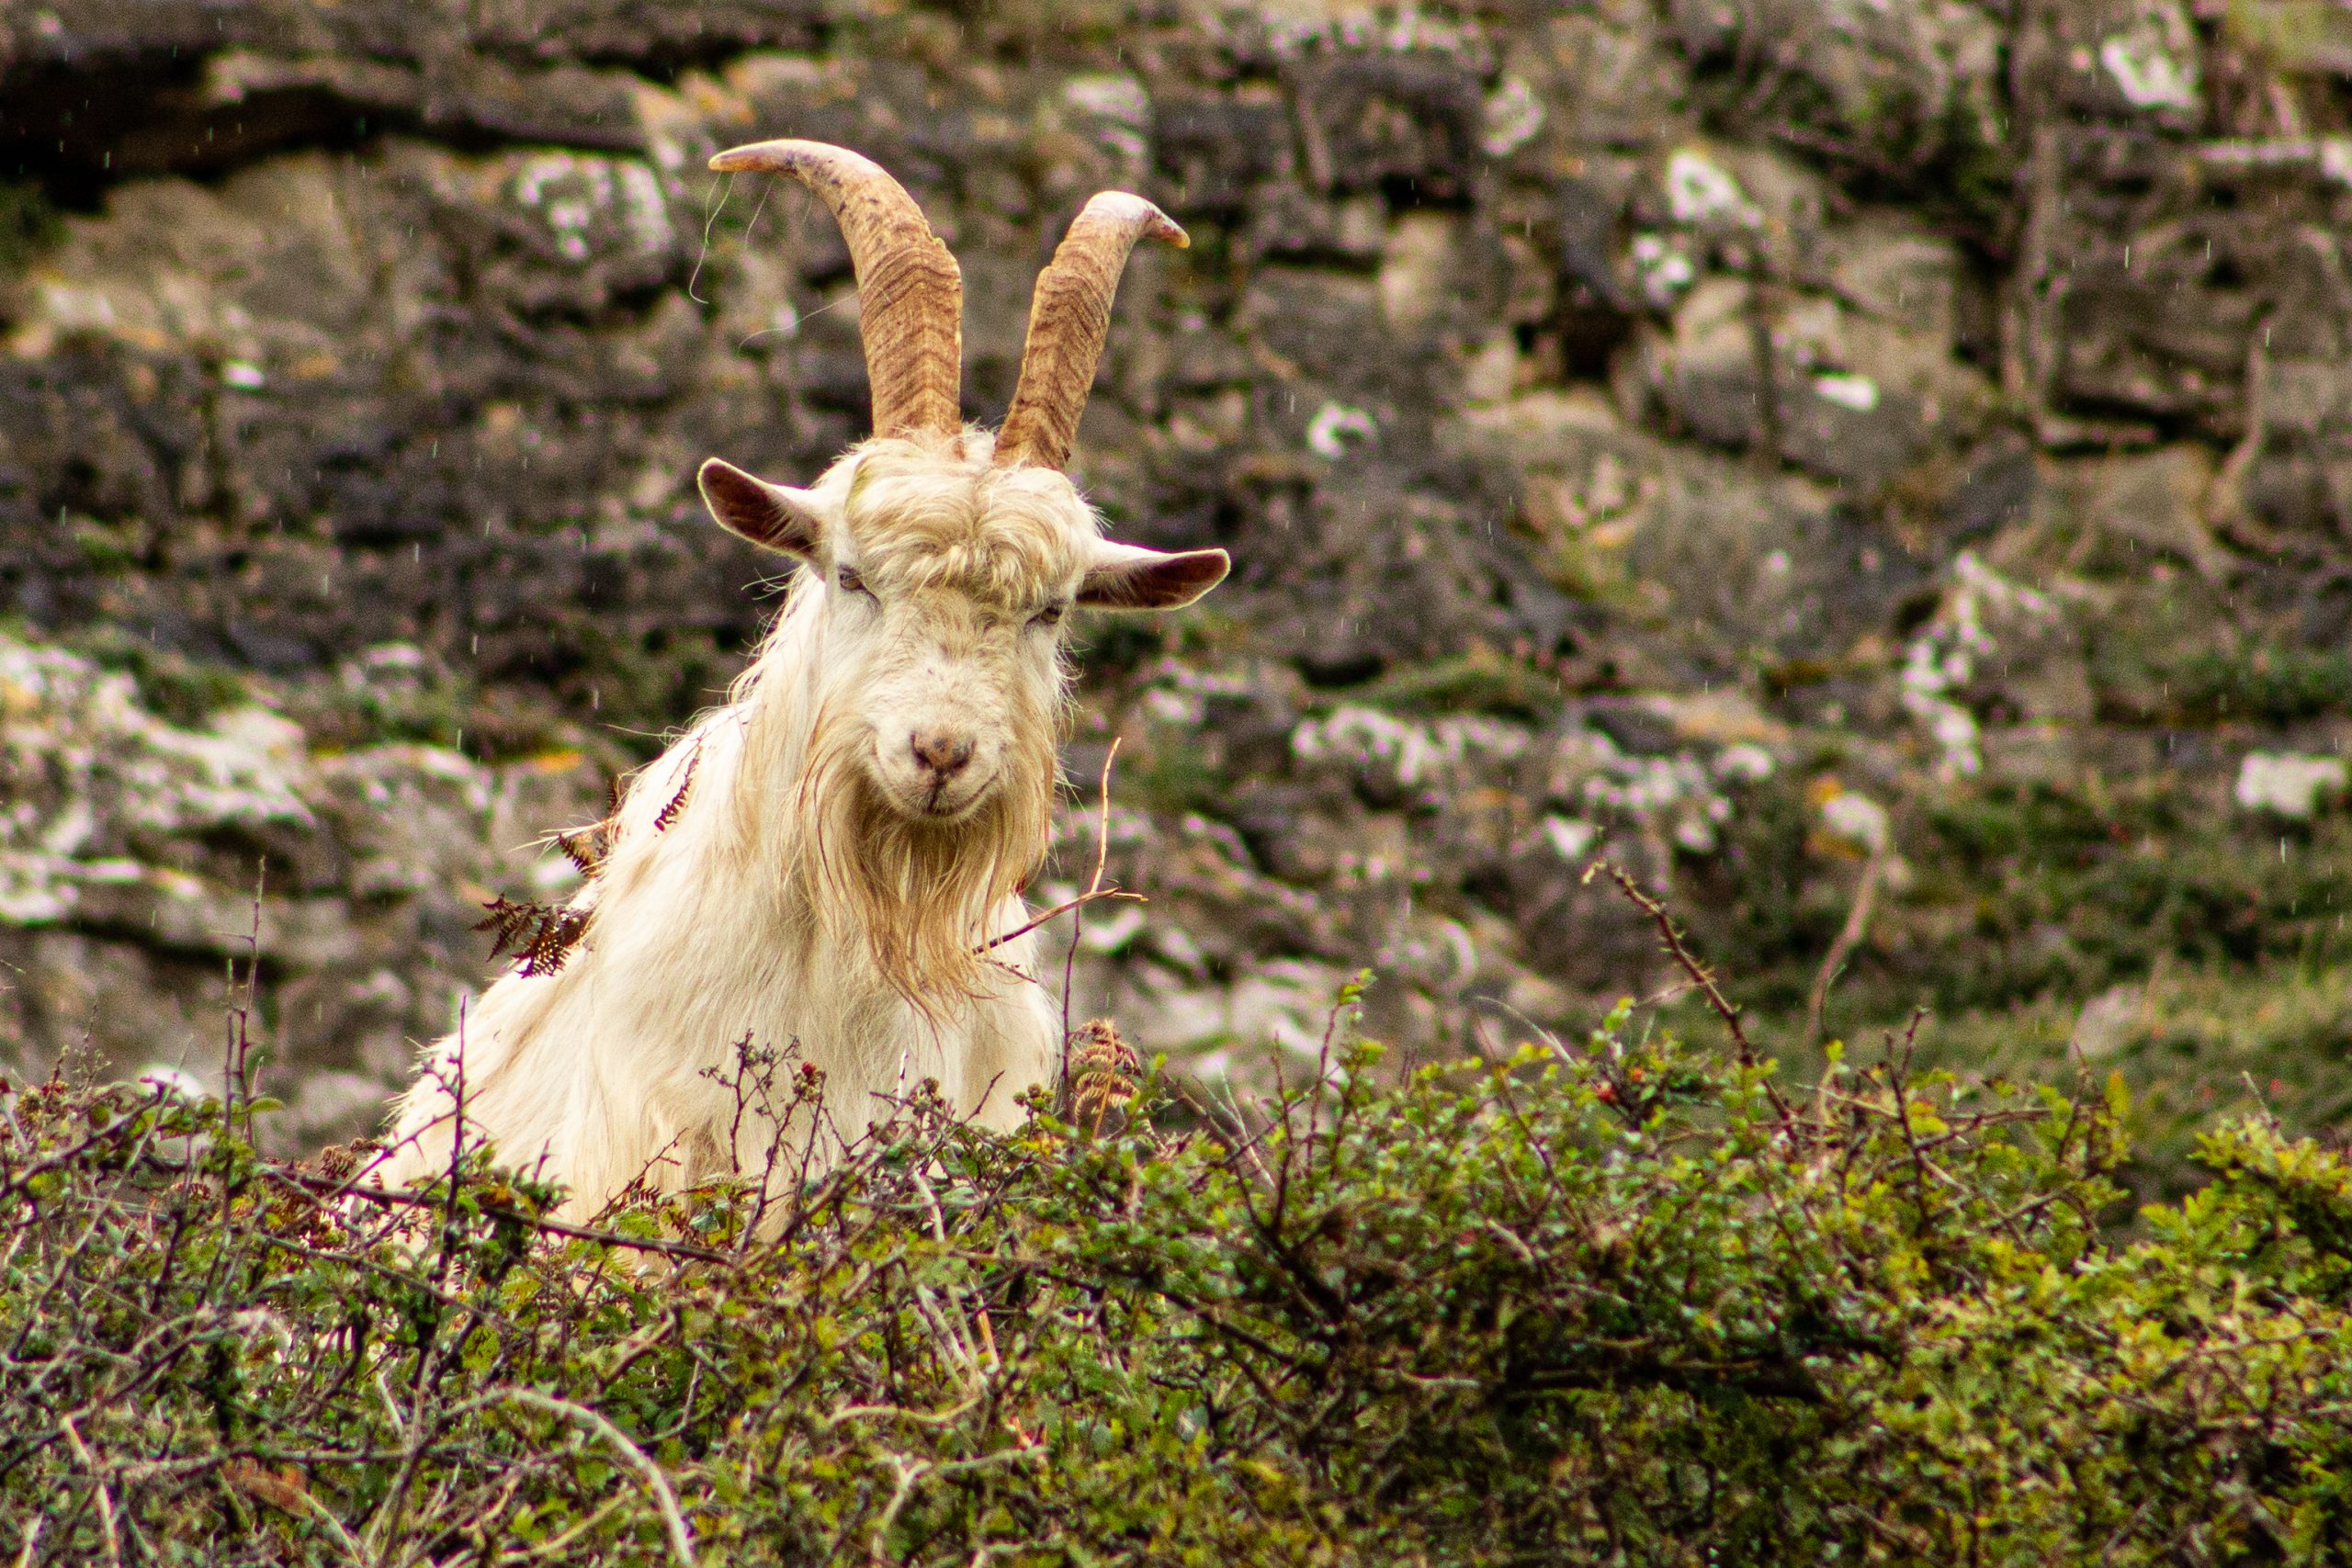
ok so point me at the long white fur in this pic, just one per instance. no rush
(734, 920)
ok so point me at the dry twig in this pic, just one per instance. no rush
(1095, 891)
(682, 1544)
(1700, 975)
(1849, 936)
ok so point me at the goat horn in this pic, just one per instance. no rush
(1069, 316)
(910, 295)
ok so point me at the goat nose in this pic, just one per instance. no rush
(943, 756)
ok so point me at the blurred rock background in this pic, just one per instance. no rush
(1797, 449)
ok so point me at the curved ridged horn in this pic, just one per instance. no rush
(910, 295)
(1069, 316)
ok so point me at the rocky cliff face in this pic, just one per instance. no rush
(1782, 446)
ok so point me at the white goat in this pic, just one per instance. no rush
(825, 864)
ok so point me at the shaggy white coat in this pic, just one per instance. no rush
(800, 897)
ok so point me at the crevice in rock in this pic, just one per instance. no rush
(75, 130)
(74, 122)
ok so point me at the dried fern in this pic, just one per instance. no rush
(586, 848)
(1102, 1069)
(589, 848)
(543, 935)
(677, 802)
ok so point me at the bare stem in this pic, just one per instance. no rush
(680, 1543)
(1857, 925)
(98, 1490)
(1700, 975)
(405, 1198)
(1095, 891)
(1093, 896)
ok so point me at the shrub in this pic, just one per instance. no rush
(1627, 1300)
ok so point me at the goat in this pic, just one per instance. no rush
(832, 862)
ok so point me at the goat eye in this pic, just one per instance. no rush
(1051, 615)
(852, 582)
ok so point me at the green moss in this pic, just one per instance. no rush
(2168, 653)
(2147, 680)
(2025, 902)
(1981, 174)
(185, 691)
(642, 689)
(430, 712)
(28, 224)
(1203, 631)
(110, 549)
(2276, 685)
(2074, 890)
(1991, 828)
(1752, 898)
(1110, 646)
(1173, 773)
(2295, 35)
(2271, 1039)
(1478, 681)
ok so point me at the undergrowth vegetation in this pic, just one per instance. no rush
(1618, 1300)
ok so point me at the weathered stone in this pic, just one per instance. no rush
(1367, 120)
(141, 862)
(1597, 401)
(1890, 92)
(2154, 502)
(1854, 393)
(1217, 150)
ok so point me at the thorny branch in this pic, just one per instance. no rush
(265, 1359)
(681, 1542)
(1671, 939)
(405, 1198)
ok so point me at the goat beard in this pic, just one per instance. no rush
(919, 894)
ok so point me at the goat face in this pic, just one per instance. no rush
(947, 582)
(943, 562)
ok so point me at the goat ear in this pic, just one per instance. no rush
(773, 517)
(1126, 577)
